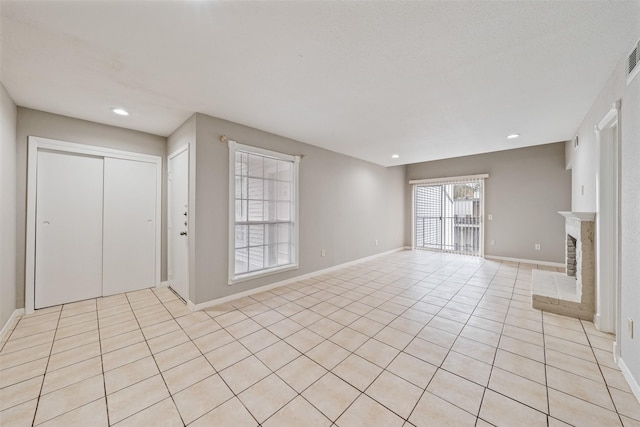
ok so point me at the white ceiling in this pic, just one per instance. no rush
(423, 79)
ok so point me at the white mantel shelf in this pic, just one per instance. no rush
(580, 216)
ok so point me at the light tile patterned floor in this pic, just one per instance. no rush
(413, 338)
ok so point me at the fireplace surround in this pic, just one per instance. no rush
(571, 293)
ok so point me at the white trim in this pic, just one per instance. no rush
(30, 258)
(232, 279)
(92, 150)
(262, 273)
(608, 306)
(11, 323)
(36, 143)
(159, 184)
(232, 213)
(163, 284)
(262, 152)
(448, 179)
(222, 300)
(178, 151)
(413, 215)
(633, 382)
(526, 261)
(579, 216)
(611, 114)
(482, 225)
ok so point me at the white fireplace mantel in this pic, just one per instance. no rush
(580, 216)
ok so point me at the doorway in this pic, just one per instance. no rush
(178, 222)
(608, 222)
(447, 215)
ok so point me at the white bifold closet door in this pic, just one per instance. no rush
(68, 228)
(95, 227)
(129, 225)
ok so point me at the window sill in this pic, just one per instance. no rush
(263, 273)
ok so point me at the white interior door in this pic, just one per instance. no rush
(68, 252)
(129, 225)
(178, 222)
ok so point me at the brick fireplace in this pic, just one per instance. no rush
(571, 293)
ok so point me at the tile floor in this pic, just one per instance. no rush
(413, 338)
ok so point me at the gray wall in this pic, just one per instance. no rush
(47, 125)
(584, 161)
(8, 117)
(345, 205)
(524, 192)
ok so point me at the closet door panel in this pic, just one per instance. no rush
(129, 225)
(68, 256)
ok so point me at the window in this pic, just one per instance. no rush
(263, 212)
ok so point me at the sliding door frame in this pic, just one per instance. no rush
(446, 180)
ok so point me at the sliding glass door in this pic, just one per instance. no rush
(448, 216)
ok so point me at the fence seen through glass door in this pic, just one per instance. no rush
(448, 216)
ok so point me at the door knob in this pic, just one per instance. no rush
(183, 233)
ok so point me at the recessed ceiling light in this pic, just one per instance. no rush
(120, 111)
(395, 156)
(513, 136)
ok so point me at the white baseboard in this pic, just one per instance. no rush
(633, 382)
(11, 323)
(526, 261)
(596, 321)
(164, 284)
(222, 300)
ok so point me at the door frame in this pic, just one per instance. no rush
(608, 297)
(36, 143)
(452, 179)
(176, 153)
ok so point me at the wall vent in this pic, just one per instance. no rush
(633, 63)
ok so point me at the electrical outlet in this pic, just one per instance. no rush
(490, 217)
(323, 253)
(537, 246)
(630, 320)
(492, 242)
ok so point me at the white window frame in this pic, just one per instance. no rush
(233, 147)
